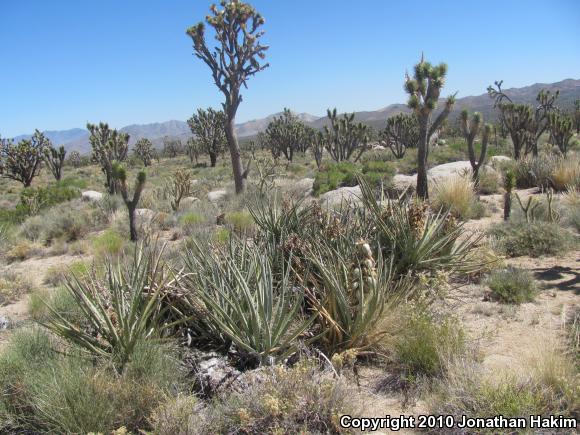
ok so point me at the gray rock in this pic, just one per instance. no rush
(447, 170)
(217, 195)
(5, 323)
(187, 202)
(500, 159)
(91, 195)
(347, 194)
(211, 372)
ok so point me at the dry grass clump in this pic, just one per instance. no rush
(551, 385)
(456, 194)
(22, 250)
(12, 287)
(566, 174)
(278, 399)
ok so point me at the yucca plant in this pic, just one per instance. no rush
(417, 239)
(119, 311)
(351, 291)
(232, 292)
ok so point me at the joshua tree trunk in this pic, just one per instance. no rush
(212, 159)
(238, 169)
(132, 228)
(422, 184)
(507, 205)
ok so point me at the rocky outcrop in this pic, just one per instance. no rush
(91, 195)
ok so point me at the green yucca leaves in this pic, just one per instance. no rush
(120, 311)
(234, 294)
(440, 245)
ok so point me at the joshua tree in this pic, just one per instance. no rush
(143, 150)
(233, 61)
(286, 135)
(109, 146)
(509, 182)
(208, 128)
(193, 149)
(22, 162)
(54, 158)
(524, 123)
(401, 132)
(120, 175)
(424, 90)
(470, 129)
(561, 129)
(345, 137)
(177, 187)
(172, 147)
(74, 159)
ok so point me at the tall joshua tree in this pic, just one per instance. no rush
(424, 90)
(233, 61)
(208, 127)
(54, 158)
(577, 115)
(470, 129)
(109, 146)
(22, 161)
(120, 175)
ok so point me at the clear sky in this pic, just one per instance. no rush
(66, 62)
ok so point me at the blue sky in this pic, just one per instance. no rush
(66, 62)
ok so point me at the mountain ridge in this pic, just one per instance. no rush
(77, 138)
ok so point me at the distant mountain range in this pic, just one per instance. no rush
(77, 138)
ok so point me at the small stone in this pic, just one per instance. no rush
(91, 195)
(5, 323)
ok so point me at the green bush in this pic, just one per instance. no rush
(378, 172)
(108, 243)
(44, 391)
(425, 344)
(33, 199)
(334, 175)
(241, 221)
(489, 182)
(515, 239)
(512, 285)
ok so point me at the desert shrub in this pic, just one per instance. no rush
(109, 243)
(378, 173)
(107, 207)
(515, 239)
(570, 203)
(44, 391)
(489, 182)
(302, 399)
(334, 175)
(56, 275)
(455, 194)
(241, 221)
(33, 199)
(534, 171)
(445, 154)
(22, 250)
(12, 287)
(512, 285)
(221, 235)
(68, 223)
(566, 174)
(550, 387)
(425, 344)
(58, 299)
(191, 220)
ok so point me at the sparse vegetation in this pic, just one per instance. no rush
(512, 285)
